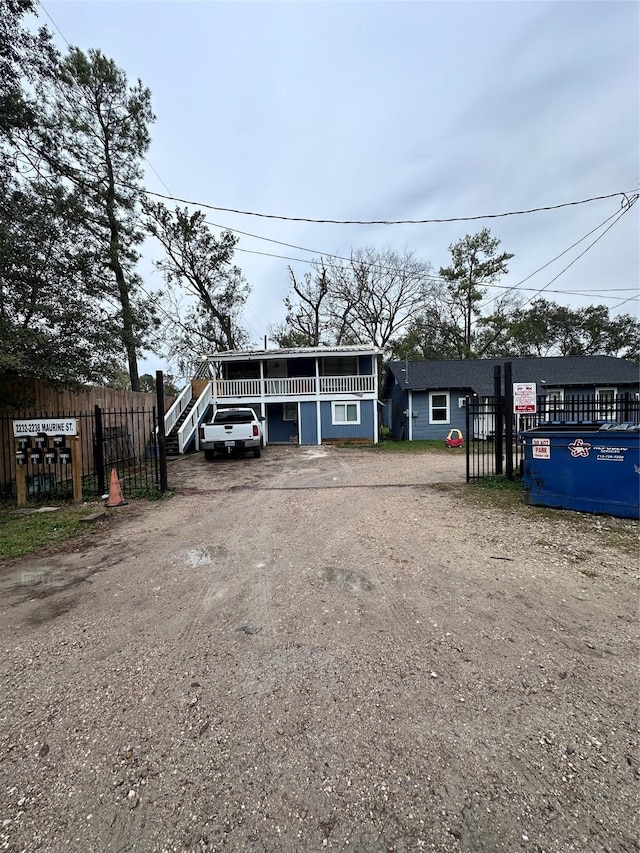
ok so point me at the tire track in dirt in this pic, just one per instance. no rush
(231, 596)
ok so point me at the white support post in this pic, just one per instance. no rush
(410, 415)
(318, 406)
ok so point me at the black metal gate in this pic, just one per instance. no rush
(127, 440)
(494, 445)
(489, 433)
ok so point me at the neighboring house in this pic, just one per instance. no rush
(306, 395)
(426, 399)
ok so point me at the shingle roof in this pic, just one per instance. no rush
(476, 375)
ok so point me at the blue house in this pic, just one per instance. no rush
(426, 399)
(306, 395)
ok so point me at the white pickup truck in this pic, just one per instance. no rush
(232, 430)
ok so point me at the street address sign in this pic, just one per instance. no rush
(46, 426)
(524, 397)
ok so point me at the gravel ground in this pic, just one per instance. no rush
(322, 649)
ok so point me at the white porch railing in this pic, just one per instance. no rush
(294, 387)
(191, 423)
(171, 417)
(347, 384)
(238, 387)
(290, 387)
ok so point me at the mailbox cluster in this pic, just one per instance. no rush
(36, 450)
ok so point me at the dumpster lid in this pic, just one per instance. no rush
(626, 426)
(571, 426)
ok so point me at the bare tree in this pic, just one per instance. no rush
(366, 299)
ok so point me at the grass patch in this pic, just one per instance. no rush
(22, 534)
(430, 445)
(496, 491)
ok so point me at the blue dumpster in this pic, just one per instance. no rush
(584, 467)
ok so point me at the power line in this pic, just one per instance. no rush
(584, 251)
(624, 202)
(63, 37)
(557, 257)
(60, 33)
(437, 279)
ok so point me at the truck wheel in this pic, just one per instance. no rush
(257, 452)
(209, 454)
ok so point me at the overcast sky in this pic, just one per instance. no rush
(391, 110)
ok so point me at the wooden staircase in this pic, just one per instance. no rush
(171, 441)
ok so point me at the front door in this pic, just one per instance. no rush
(282, 423)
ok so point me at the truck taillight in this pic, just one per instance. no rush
(201, 433)
(256, 431)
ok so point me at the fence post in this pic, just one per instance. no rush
(497, 418)
(98, 451)
(162, 445)
(468, 436)
(508, 418)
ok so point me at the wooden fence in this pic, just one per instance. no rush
(128, 430)
(33, 396)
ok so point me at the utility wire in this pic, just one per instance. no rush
(557, 257)
(60, 33)
(623, 201)
(584, 251)
(624, 302)
(63, 37)
(437, 279)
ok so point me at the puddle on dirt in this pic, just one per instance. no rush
(315, 454)
(205, 556)
(346, 578)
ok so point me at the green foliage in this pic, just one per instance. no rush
(546, 328)
(475, 264)
(24, 56)
(46, 295)
(430, 445)
(201, 265)
(94, 134)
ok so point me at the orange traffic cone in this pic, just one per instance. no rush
(115, 493)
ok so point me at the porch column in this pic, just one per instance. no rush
(376, 407)
(318, 408)
(263, 404)
(410, 415)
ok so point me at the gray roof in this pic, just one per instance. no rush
(476, 375)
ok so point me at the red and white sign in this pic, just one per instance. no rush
(541, 448)
(524, 397)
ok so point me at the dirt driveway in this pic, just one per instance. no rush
(322, 649)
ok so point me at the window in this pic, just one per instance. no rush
(340, 365)
(554, 403)
(289, 411)
(438, 407)
(606, 403)
(345, 413)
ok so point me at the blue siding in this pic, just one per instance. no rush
(422, 429)
(279, 431)
(365, 429)
(308, 423)
(394, 417)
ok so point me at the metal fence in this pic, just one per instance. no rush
(125, 439)
(494, 444)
